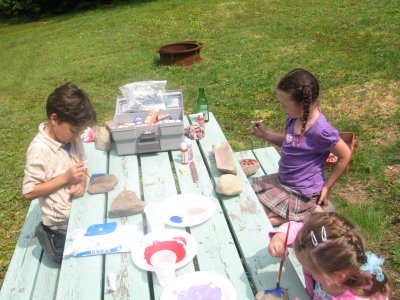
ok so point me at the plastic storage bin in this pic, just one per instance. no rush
(162, 136)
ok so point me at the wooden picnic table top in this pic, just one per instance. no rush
(232, 243)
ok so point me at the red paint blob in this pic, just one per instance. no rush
(175, 246)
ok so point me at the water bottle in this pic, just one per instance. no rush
(202, 104)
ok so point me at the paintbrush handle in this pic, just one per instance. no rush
(278, 282)
(77, 162)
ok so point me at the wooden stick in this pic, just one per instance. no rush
(278, 282)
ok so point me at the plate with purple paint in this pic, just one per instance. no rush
(183, 244)
(200, 286)
(186, 210)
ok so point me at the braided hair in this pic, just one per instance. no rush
(344, 250)
(303, 88)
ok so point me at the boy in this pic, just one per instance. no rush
(54, 170)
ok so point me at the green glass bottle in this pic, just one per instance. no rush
(202, 104)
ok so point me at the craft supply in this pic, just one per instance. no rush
(200, 119)
(190, 148)
(138, 121)
(193, 170)
(152, 117)
(163, 262)
(256, 124)
(154, 217)
(87, 173)
(278, 283)
(111, 282)
(184, 153)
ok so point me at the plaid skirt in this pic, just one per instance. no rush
(283, 200)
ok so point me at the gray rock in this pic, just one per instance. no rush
(126, 204)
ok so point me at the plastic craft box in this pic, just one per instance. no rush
(163, 136)
(350, 139)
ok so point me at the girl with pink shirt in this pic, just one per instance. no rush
(335, 263)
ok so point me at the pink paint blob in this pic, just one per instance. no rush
(175, 246)
(196, 211)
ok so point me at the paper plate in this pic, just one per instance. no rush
(187, 210)
(201, 286)
(182, 243)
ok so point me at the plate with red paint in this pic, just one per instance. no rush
(186, 210)
(178, 241)
(199, 285)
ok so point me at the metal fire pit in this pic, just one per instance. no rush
(180, 53)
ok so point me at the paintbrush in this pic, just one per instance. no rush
(255, 124)
(77, 162)
(278, 282)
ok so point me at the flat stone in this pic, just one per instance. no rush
(224, 158)
(126, 204)
(102, 184)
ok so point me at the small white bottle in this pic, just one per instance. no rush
(190, 148)
(184, 154)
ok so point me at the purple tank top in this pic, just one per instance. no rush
(302, 167)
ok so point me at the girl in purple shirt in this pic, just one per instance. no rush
(300, 186)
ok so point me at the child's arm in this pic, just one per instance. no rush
(78, 190)
(72, 176)
(343, 153)
(276, 245)
(272, 137)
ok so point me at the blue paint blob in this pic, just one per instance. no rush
(176, 219)
(277, 292)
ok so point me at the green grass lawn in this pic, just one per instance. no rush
(351, 46)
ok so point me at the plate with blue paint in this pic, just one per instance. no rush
(199, 285)
(186, 210)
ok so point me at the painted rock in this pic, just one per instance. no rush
(276, 294)
(249, 166)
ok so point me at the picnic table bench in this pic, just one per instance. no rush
(231, 243)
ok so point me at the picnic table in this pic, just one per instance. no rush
(232, 243)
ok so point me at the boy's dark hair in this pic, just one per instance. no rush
(71, 105)
(303, 88)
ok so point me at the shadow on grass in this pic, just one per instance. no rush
(68, 9)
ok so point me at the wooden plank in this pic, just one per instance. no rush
(46, 280)
(250, 224)
(217, 252)
(82, 278)
(132, 282)
(158, 184)
(19, 282)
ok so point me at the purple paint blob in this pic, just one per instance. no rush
(200, 292)
(176, 219)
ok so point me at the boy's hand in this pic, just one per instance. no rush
(276, 246)
(76, 173)
(77, 190)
